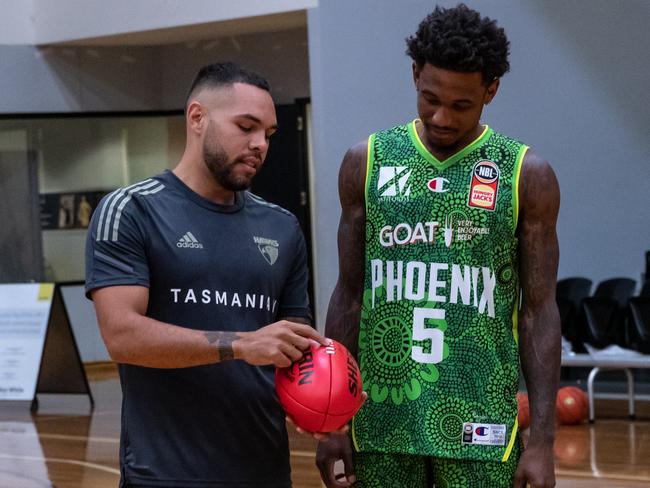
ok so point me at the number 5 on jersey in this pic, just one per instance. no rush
(423, 333)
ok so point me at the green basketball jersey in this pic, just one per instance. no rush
(438, 333)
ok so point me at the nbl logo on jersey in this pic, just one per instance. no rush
(484, 185)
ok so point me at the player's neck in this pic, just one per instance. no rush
(198, 178)
(442, 153)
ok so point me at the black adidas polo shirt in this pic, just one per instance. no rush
(207, 267)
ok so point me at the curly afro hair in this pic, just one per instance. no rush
(459, 39)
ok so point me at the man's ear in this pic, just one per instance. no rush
(416, 73)
(491, 91)
(196, 117)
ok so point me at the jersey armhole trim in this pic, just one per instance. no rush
(515, 321)
(511, 443)
(369, 162)
(515, 191)
(354, 437)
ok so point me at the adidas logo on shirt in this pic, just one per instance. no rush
(188, 240)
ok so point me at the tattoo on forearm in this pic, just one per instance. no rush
(223, 342)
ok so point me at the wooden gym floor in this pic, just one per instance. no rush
(64, 446)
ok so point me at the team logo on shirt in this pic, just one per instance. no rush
(269, 248)
(484, 185)
(393, 182)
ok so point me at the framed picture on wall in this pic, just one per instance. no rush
(71, 210)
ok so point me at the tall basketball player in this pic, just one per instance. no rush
(448, 258)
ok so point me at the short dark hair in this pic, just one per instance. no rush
(459, 39)
(217, 75)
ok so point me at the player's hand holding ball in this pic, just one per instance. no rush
(322, 390)
(279, 343)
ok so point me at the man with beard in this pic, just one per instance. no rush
(200, 288)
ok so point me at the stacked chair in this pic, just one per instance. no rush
(611, 315)
(605, 317)
(569, 295)
(638, 324)
(606, 313)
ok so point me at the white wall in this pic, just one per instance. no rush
(66, 20)
(577, 93)
(17, 22)
(137, 78)
(78, 79)
(281, 57)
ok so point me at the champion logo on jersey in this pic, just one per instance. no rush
(438, 185)
(482, 431)
(188, 240)
(484, 434)
(394, 181)
(269, 248)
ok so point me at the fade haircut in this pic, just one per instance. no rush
(219, 75)
(459, 39)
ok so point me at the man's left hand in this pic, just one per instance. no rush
(536, 468)
(319, 436)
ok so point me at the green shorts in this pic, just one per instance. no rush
(381, 470)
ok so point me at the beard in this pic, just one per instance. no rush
(220, 167)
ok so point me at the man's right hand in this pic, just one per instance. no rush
(279, 344)
(337, 447)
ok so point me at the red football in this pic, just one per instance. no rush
(322, 391)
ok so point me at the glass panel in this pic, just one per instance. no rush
(79, 160)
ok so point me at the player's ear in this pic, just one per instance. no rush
(491, 91)
(196, 116)
(416, 73)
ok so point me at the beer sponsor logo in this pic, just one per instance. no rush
(484, 185)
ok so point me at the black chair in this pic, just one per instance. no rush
(620, 289)
(600, 324)
(567, 312)
(638, 330)
(569, 293)
(573, 289)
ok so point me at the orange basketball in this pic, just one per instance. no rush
(523, 411)
(571, 406)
